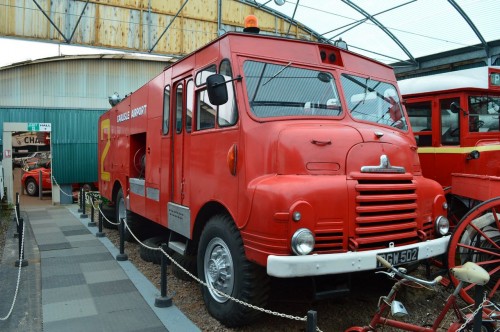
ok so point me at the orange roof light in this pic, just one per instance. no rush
(251, 24)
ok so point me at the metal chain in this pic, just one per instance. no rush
(267, 311)
(18, 273)
(471, 317)
(54, 179)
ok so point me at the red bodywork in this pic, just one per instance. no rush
(264, 168)
(452, 160)
(34, 175)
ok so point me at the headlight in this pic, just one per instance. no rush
(302, 242)
(442, 225)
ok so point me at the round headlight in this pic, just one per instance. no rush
(302, 242)
(442, 225)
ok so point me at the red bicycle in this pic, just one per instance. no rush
(468, 273)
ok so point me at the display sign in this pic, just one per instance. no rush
(495, 79)
(28, 139)
(39, 126)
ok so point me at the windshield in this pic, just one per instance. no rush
(283, 90)
(373, 101)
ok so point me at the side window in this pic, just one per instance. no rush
(166, 110)
(228, 113)
(450, 122)
(189, 105)
(205, 112)
(178, 108)
(421, 121)
(201, 76)
(484, 114)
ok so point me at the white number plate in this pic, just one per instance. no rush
(400, 257)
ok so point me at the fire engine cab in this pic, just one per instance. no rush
(263, 156)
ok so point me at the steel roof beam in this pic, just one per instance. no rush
(470, 23)
(51, 22)
(168, 26)
(382, 27)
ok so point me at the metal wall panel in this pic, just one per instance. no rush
(84, 83)
(73, 139)
(135, 25)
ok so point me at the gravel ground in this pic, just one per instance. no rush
(333, 314)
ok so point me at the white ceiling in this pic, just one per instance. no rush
(414, 28)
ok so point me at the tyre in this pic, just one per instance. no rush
(153, 256)
(31, 187)
(187, 261)
(121, 212)
(223, 265)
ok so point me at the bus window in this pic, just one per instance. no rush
(450, 122)
(484, 113)
(421, 121)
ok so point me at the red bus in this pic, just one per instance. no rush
(456, 123)
(263, 156)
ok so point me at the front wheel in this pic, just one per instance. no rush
(222, 264)
(31, 187)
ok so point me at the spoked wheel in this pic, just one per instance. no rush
(477, 239)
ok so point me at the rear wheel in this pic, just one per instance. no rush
(31, 187)
(222, 264)
(477, 239)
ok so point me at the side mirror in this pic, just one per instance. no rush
(217, 90)
(454, 108)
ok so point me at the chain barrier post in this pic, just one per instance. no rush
(80, 194)
(312, 321)
(100, 233)
(163, 301)
(17, 216)
(84, 213)
(92, 220)
(122, 256)
(478, 301)
(40, 185)
(21, 261)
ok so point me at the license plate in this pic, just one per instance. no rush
(399, 257)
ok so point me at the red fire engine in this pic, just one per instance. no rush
(455, 119)
(263, 156)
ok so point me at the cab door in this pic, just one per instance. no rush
(179, 214)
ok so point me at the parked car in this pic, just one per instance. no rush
(31, 158)
(30, 179)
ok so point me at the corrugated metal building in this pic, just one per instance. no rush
(71, 92)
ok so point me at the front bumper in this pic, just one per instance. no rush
(316, 265)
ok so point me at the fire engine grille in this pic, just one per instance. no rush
(385, 212)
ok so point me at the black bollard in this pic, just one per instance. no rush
(17, 216)
(163, 301)
(81, 200)
(122, 256)
(40, 187)
(100, 233)
(84, 214)
(478, 300)
(92, 221)
(21, 261)
(312, 321)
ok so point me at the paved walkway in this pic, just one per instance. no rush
(75, 283)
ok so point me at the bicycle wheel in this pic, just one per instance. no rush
(477, 239)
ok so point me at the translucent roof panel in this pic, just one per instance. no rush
(397, 30)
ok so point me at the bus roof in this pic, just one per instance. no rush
(475, 78)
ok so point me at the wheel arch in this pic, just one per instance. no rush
(209, 210)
